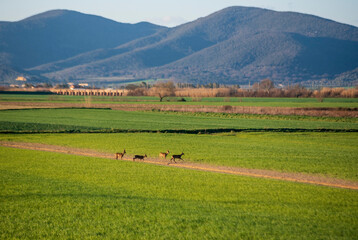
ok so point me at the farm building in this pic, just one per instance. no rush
(21, 78)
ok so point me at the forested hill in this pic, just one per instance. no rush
(234, 45)
(61, 34)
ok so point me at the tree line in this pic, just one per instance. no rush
(264, 88)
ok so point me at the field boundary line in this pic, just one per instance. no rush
(257, 173)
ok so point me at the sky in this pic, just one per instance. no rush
(175, 12)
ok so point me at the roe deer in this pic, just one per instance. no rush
(120, 154)
(164, 155)
(140, 157)
(176, 157)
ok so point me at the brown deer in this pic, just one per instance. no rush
(120, 155)
(164, 155)
(176, 157)
(140, 157)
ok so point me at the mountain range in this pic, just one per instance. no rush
(236, 45)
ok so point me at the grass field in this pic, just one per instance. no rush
(216, 101)
(329, 154)
(49, 195)
(82, 119)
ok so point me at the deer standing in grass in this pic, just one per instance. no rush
(176, 157)
(164, 155)
(120, 155)
(140, 157)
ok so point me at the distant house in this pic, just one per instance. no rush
(78, 86)
(280, 86)
(21, 78)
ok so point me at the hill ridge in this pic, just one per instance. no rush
(233, 46)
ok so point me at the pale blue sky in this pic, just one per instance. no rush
(171, 13)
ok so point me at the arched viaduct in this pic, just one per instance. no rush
(89, 92)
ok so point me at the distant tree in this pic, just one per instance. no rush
(47, 85)
(267, 85)
(132, 87)
(297, 91)
(140, 91)
(63, 86)
(163, 89)
(144, 84)
(28, 85)
(255, 86)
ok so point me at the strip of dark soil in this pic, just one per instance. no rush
(181, 131)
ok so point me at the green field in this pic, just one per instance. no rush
(215, 101)
(56, 196)
(80, 119)
(330, 154)
(47, 195)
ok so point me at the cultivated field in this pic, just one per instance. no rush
(110, 120)
(57, 195)
(216, 101)
(329, 154)
(49, 195)
(337, 107)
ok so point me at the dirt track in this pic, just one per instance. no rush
(293, 177)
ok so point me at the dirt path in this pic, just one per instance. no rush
(293, 177)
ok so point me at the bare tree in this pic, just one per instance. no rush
(267, 85)
(256, 86)
(163, 89)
